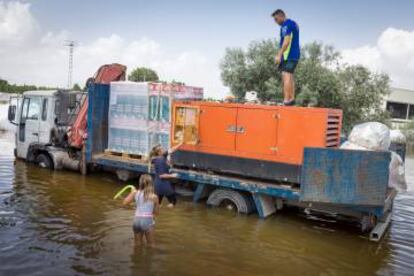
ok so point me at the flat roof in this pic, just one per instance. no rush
(401, 95)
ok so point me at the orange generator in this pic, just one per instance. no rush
(255, 141)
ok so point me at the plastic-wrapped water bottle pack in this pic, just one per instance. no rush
(139, 114)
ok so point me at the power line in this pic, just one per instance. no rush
(71, 45)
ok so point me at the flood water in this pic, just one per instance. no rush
(62, 223)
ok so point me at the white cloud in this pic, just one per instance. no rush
(32, 55)
(15, 25)
(393, 54)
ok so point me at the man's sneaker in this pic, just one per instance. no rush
(289, 103)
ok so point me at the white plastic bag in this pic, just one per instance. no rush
(371, 135)
(351, 146)
(397, 136)
(396, 177)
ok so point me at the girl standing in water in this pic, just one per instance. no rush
(147, 207)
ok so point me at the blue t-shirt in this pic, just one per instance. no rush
(289, 27)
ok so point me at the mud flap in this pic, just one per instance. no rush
(200, 192)
(265, 205)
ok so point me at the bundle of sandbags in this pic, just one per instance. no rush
(371, 136)
(396, 178)
(377, 137)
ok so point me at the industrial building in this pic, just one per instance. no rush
(400, 103)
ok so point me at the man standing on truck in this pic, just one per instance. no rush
(288, 55)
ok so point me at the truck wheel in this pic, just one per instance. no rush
(231, 200)
(44, 161)
(125, 175)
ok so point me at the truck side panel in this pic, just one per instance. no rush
(349, 177)
(98, 100)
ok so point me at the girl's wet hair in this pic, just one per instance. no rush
(146, 185)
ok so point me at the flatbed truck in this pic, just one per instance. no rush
(342, 183)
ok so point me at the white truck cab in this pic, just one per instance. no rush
(42, 119)
(35, 120)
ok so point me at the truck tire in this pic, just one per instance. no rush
(44, 161)
(124, 175)
(241, 203)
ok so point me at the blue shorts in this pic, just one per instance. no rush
(288, 66)
(143, 224)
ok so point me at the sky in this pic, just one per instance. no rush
(185, 40)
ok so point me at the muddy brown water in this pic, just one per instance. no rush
(62, 223)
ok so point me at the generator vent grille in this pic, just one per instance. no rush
(333, 130)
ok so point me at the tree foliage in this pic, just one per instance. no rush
(76, 87)
(6, 87)
(177, 82)
(321, 80)
(141, 74)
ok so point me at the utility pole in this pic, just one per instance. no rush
(71, 45)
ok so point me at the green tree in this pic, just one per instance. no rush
(141, 74)
(177, 82)
(362, 95)
(76, 87)
(5, 86)
(321, 80)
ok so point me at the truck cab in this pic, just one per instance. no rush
(34, 121)
(42, 119)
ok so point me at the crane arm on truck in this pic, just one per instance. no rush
(105, 74)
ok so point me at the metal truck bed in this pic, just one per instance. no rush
(352, 183)
(252, 186)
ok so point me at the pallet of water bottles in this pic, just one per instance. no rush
(126, 156)
(139, 115)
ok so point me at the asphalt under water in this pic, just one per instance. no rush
(62, 223)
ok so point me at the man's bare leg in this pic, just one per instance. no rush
(288, 87)
(292, 87)
(284, 83)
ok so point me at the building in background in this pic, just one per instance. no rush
(4, 98)
(400, 104)
(4, 106)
